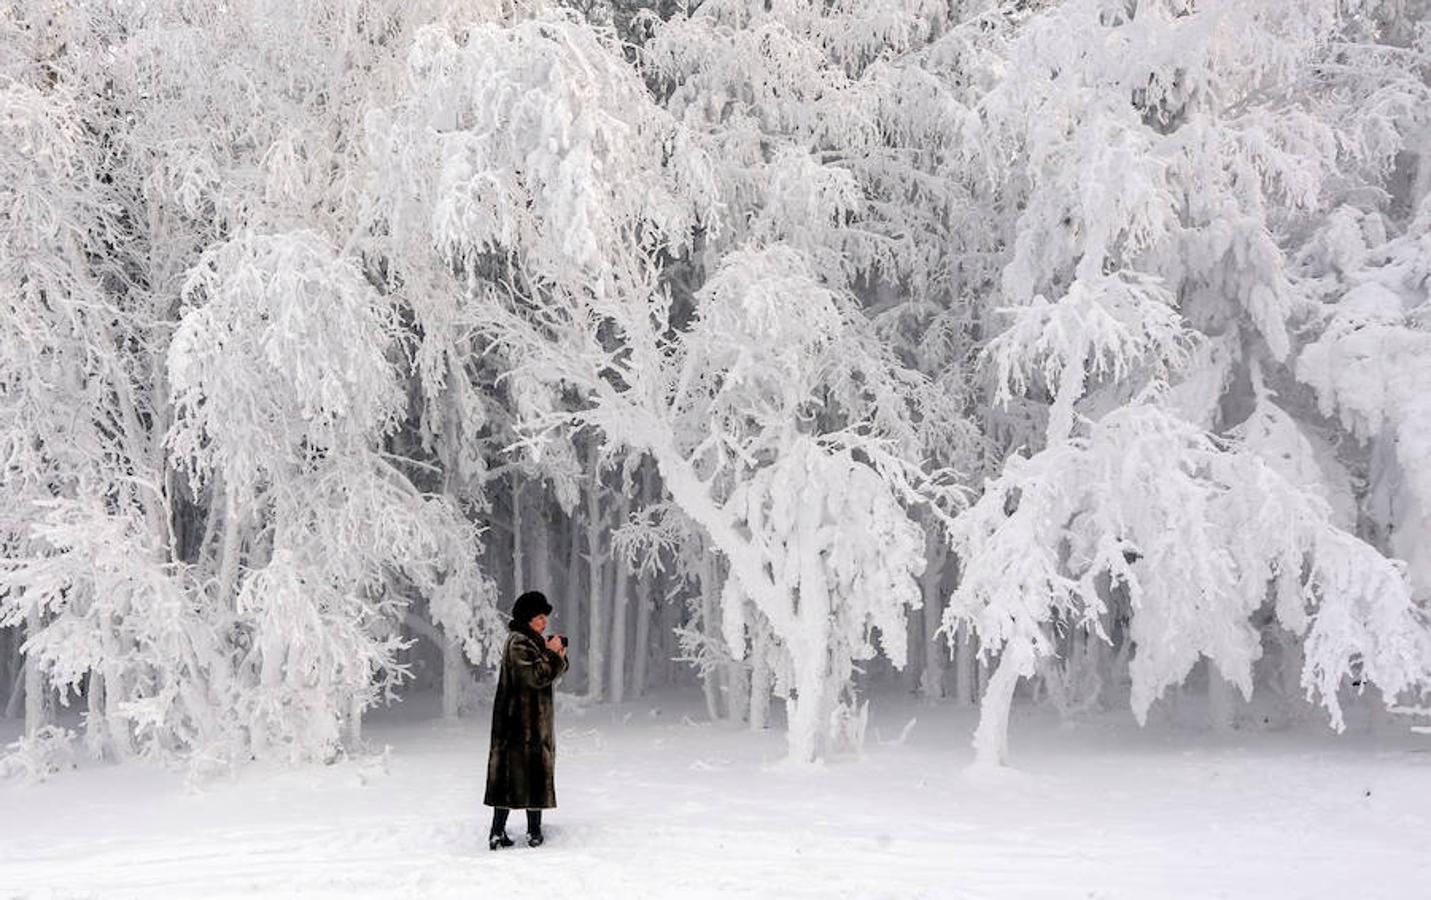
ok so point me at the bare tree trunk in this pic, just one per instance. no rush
(519, 578)
(936, 649)
(96, 724)
(7, 662)
(710, 626)
(541, 563)
(619, 601)
(737, 691)
(596, 651)
(911, 676)
(966, 667)
(14, 662)
(500, 563)
(670, 617)
(454, 669)
(761, 678)
(645, 585)
(573, 594)
(17, 694)
(616, 687)
(13, 667)
(454, 675)
(642, 654)
(37, 711)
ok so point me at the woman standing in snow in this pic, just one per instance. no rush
(522, 761)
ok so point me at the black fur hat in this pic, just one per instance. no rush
(529, 605)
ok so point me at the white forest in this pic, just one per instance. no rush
(959, 439)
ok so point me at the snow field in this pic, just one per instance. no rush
(656, 802)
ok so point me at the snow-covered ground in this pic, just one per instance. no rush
(656, 802)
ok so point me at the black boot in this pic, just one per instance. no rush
(497, 837)
(534, 828)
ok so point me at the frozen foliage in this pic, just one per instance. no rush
(1150, 287)
(1200, 536)
(207, 537)
(833, 584)
(326, 324)
(36, 757)
(716, 402)
(1370, 367)
(283, 359)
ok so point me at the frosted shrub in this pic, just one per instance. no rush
(35, 757)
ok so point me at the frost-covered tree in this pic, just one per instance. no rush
(1164, 158)
(539, 147)
(59, 339)
(311, 308)
(837, 129)
(209, 536)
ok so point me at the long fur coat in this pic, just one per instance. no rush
(522, 761)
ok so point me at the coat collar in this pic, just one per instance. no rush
(522, 629)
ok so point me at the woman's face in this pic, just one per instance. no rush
(538, 623)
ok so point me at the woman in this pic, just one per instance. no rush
(522, 760)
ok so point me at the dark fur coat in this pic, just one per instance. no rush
(522, 761)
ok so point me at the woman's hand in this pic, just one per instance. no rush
(554, 645)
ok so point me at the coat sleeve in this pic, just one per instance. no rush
(536, 666)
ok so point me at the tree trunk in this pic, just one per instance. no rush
(641, 658)
(229, 553)
(596, 651)
(645, 584)
(809, 710)
(737, 691)
(991, 737)
(761, 678)
(619, 601)
(573, 595)
(540, 562)
(966, 667)
(13, 666)
(7, 662)
(519, 577)
(17, 694)
(936, 648)
(96, 724)
(817, 682)
(806, 627)
(670, 618)
(710, 627)
(37, 711)
(454, 675)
